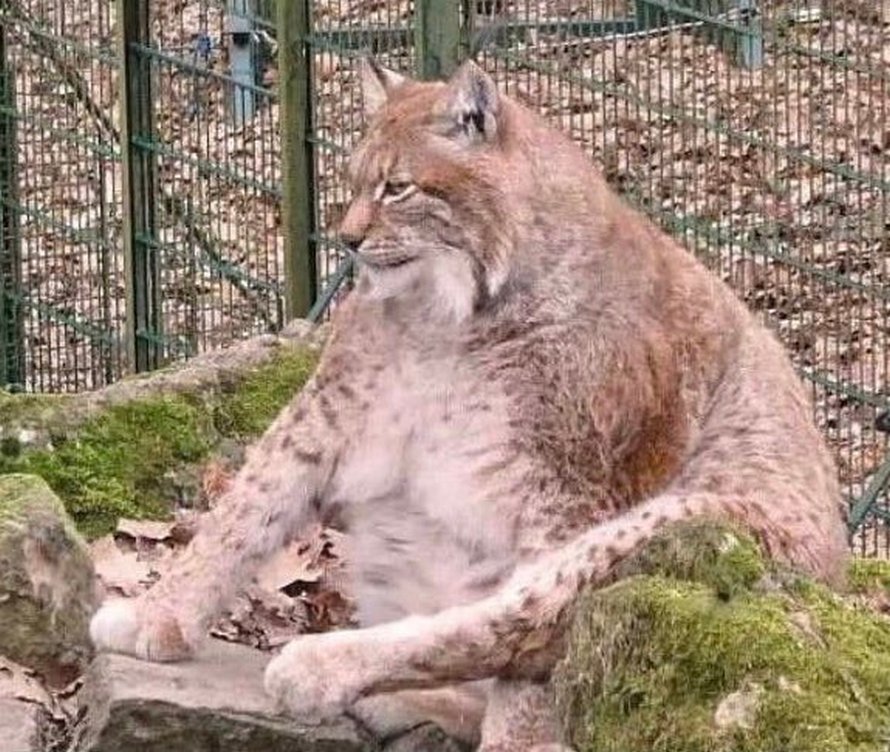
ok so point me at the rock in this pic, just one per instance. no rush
(215, 703)
(138, 448)
(739, 709)
(426, 738)
(19, 728)
(20, 710)
(704, 644)
(47, 590)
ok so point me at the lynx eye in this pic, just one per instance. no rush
(396, 190)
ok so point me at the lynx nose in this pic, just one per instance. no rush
(354, 226)
(352, 242)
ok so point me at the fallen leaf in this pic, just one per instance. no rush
(216, 479)
(119, 571)
(19, 683)
(298, 562)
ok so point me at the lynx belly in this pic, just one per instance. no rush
(419, 488)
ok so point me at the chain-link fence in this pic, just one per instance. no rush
(757, 131)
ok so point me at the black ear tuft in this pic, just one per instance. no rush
(474, 102)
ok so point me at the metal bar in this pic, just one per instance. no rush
(749, 44)
(181, 64)
(25, 23)
(138, 180)
(297, 157)
(648, 16)
(348, 40)
(12, 334)
(847, 390)
(836, 168)
(240, 35)
(436, 38)
(55, 134)
(866, 503)
(217, 265)
(205, 167)
(334, 283)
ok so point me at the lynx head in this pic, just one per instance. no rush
(431, 182)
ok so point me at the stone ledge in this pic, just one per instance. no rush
(215, 703)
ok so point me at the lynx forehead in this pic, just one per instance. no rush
(528, 381)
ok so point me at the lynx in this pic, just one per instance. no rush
(528, 380)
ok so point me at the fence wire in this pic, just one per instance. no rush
(217, 192)
(756, 131)
(209, 198)
(61, 211)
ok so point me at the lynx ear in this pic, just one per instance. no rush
(473, 103)
(377, 84)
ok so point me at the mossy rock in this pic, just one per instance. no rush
(139, 454)
(702, 646)
(47, 590)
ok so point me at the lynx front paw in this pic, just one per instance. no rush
(316, 677)
(129, 626)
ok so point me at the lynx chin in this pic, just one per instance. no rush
(528, 380)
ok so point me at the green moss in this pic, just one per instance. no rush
(15, 407)
(248, 411)
(136, 459)
(653, 657)
(122, 462)
(725, 559)
(19, 492)
(869, 575)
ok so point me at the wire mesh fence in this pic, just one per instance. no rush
(158, 180)
(757, 131)
(214, 238)
(62, 274)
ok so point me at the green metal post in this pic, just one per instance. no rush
(12, 336)
(437, 37)
(297, 158)
(141, 264)
(749, 43)
(649, 16)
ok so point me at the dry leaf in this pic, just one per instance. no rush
(19, 683)
(119, 571)
(216, 479)
(297, 562)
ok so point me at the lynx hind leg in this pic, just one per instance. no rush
(516, 631)
(520, 717)
(458, 710)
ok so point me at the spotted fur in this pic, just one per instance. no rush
(529, 380)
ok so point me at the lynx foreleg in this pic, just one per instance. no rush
(270, 499)
(515, 633)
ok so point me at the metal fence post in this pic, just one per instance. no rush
(749, 43)
(437, 37)
(141, 264)
(12, 337)
(297, 156)
(240, 22)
